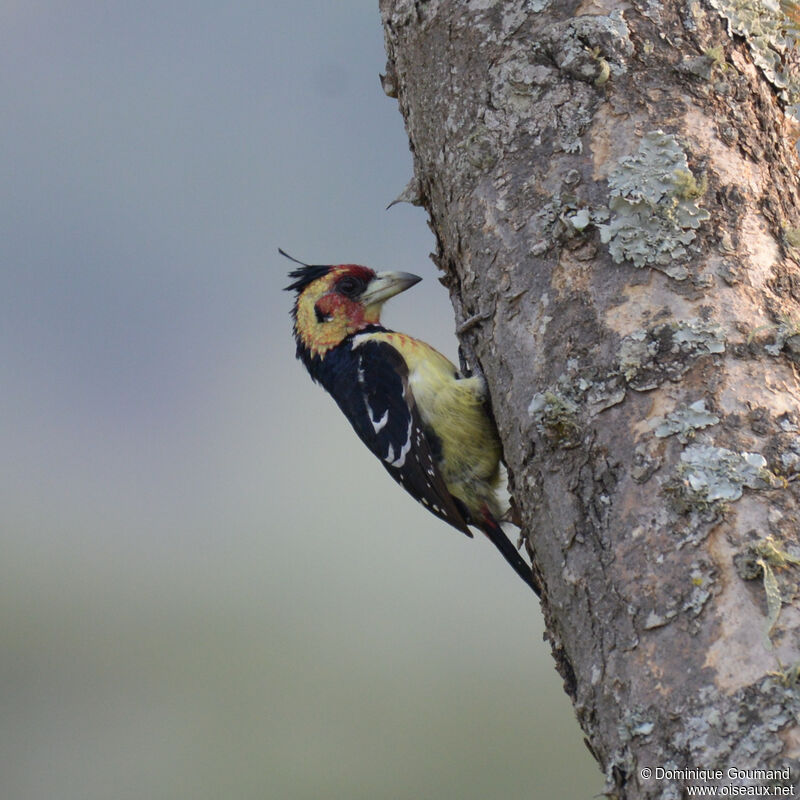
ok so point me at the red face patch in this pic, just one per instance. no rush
(337, 306)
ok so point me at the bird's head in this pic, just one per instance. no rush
(334, 302)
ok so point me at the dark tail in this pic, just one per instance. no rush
(491, 527)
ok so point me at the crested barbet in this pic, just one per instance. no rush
(429, 425)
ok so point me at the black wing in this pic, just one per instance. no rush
(373, 392)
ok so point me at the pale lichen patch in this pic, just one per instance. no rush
(684, 421)
(771, 39)
(654, 204)
(716, 473)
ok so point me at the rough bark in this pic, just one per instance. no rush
(613, 188)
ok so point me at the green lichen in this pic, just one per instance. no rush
(775, 553)
(773, 593)
(556, 418)
(772, 31)
(654, 206)
(791, 236)
(765, 558)
(716, 55)
(789, 676)
(684, 421)
(604, 68)
(687, 186)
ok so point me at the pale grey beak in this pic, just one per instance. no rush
(385, 285)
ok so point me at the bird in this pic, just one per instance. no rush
(429, 425)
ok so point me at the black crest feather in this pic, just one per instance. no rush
(305, 274)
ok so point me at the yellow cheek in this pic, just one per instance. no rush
(320, 337)
(328, 335)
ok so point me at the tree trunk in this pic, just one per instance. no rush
(614, 196)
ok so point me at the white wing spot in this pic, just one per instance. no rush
(404, 450)
(379, 424)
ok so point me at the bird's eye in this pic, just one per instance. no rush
(349, 286)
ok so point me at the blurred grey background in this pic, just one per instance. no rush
(208, 587)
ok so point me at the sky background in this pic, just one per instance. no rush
(208, 586)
